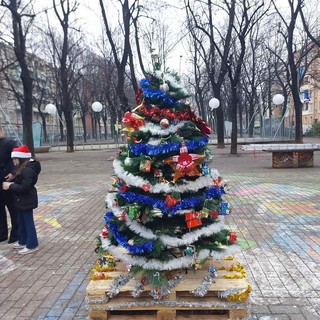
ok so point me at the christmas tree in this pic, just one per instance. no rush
(165, 207)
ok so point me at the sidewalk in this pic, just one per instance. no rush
(275, 214)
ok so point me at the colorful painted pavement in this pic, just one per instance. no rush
(275, 213)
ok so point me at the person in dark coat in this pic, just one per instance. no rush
(25, 197)
(6, 197)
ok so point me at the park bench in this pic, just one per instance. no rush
(287, 155)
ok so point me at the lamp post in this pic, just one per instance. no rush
(277, 100)
(214, 103)
(97, 107)
(52, 110)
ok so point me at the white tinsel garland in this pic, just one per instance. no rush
(157, 130)
(193, 236)
(136, 181)
(167, 77)
(110, 199)
(152, 264)
(186, 239)
(139, 229)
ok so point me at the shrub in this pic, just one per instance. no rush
(314, 130)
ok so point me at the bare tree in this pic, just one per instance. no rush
(247, 17)
(22, 17)
(200, 15)
(66, 51)
(296, 62)
(124, 53)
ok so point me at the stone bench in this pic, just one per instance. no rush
(287, 155)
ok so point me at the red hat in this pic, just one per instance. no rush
(22, 152)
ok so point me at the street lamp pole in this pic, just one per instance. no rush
(277, 100)
(97, 107)
(52, 110)
(214, 103)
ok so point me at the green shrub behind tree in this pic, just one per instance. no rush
(314, 130)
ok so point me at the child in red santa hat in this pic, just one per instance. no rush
(25, 197)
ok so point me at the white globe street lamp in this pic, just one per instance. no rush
(278, 99)
(51, 109)
(96, 106)
(214, 103)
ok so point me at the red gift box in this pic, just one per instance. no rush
(214, 214)
(194, 223)
(193, 219)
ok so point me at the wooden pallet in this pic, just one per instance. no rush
(183, 304)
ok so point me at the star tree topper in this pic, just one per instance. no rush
(185, 163)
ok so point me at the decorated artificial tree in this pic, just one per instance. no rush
(165, 212)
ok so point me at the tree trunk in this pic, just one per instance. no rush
(234, 131)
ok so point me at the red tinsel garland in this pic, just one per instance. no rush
(159, 114)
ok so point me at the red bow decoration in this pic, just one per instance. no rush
(132, 121)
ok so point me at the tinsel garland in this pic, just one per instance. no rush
(186, 239)
(138, 289)
(202, 290)
(148, 264)
(117, 284)
(136, 181)
(168, 77)
(110, 199)
(238, 268)
(97, 304)
(236, 295)
(166, 289)
(151, 93)
(140, 149)
(169, 114)
(135, 249)
(192, 202)
(119, 211)
(174, 264)
(157, 130)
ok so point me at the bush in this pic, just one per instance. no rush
(314, 130)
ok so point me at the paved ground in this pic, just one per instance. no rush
(275, 212)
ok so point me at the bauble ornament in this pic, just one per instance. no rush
(164, 123)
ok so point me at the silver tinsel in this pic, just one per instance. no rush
(202, 290)
(170, 284)
(117, 284)
(166, 303)
(138, 288)
(226, 293)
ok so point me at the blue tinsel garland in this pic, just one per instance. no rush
(156, 93)
(136, 249)
(189, 203)
(152, 150)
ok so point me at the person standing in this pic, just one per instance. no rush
(6, 197)
(25, 197)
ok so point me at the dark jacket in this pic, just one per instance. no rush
(6, 164)
(25, 192)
